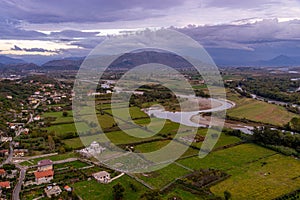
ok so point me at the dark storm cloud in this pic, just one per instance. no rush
(245, 36)
(9, 30)
(58, 11)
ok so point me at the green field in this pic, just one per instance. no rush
(223, 141)
(116, 137)
(249, 166)
(280, 175)
(134, 112)
(59, 118)
(228, 158)
(183, 194)
(151, 146)
(75, 165)
(53, 158)
(62, 129)
(92, 190)
(259, 111)
(163, 177)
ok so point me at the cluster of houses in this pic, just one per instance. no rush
(106, 87)
(5, 183)
(47, 93)
(45, 174)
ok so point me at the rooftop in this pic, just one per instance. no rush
(45, 162)
(101, 174)
(2, 171)
(5, 184)
(44, 174)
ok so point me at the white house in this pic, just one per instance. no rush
(102, 177)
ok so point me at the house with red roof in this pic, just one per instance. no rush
(43, 176)
(5, 184)
(2, 173)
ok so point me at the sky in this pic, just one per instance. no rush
(228, 29)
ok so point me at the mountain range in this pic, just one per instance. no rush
(134, 59)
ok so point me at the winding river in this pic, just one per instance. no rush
(183, 117)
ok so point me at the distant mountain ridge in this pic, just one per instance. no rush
(130, 60)
(5, 60)
(64, 64)
(281, 60)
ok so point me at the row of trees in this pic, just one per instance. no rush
(273, 88)
(277, 139)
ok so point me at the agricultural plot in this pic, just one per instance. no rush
(223, 140)
(259, 111)
(62, 129)
(183, 194)
(75, 165)
(265, 179)
(255, 172)
(59, 118)
(134, 112)
(228, 158)
(92, 190)
(160, 178)
(151, 146)
(116, 137)
(53, 158)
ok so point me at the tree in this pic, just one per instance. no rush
(51, 143)
(227, 195)
(65, 114)
(62, 149)
(118, 191)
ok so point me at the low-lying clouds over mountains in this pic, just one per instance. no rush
(233, 32)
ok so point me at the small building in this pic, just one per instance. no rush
(5, 139)
(53, 191)
(4, 152)
(26, 131)
(68, 188)
(37, 118)
(102, 177)
(20, 152)
(45, 165)
(2, 173)
(43, 176)
(12, 175)
(93, 150)
(5, 184)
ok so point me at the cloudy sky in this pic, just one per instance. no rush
(252, 30)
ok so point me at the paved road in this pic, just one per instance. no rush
(18, 187)
(10, 156)
(30, 119)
